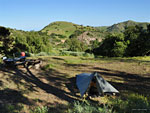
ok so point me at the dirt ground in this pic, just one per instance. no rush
(55, 85)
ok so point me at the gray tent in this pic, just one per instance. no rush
(83, 81)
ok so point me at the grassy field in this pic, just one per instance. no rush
(53, 85)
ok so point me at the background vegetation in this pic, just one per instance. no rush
(52, 87)
(134, 41)
(123, 39)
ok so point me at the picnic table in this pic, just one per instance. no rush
(12, 62)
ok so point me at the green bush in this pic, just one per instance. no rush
(133, 103)
(134, 41)
(138, 102)
(43, 109)
(88, 55)
(113, 46)
(74, 44)
(87, 107)
(48, 66)
(32, 42)
(9, 108)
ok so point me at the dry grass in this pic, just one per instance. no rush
(56, 84)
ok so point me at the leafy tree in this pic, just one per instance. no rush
(95, 44)
(135, 41)
(75, 45)
(139, 41)
(32, 42)
(113, 46)
(119, 49)
(6, 41)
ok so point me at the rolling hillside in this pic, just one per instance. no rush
(67, 28)
(62, 28)
(120, 27)
(59, 31)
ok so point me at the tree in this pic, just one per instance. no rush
(135, 41)
(95, 44)
(74, 44)
(32, 42)
(113, 46)
(139, 41)
(119, 49)
(6, 41)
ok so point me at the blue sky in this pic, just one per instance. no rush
(36, 14)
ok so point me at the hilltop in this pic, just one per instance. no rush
(67, 28)
(60, 27)
(61, 31)
(120, 27)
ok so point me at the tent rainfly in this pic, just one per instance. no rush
(83, 81)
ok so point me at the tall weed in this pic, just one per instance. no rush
(82, 107)
(43, 109)
(133, 103)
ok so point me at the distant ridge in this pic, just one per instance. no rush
(62, 30)
(67, 28)
(120, 27)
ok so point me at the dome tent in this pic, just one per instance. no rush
(83, 81)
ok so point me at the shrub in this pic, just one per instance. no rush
(82, 107)
(32, 42)
(88, 55)
(74, 44)
(113, 46)
(133, 103)
(48, 66)
(43, 109)
(9, 108)
(136, 101)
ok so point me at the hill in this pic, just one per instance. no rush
(120, 27)
(60, 27)
(67, 29)
(58, 32)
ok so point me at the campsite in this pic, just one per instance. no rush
(53, 86)
(74, 56)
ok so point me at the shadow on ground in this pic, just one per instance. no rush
(31, 78)
(54, 86)
(131, 82)
(71, 85)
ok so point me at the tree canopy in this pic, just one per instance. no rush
(6, 41)
(134, 41)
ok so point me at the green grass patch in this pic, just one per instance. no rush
(88, 107)
(48, 66)
(72, 53)
(43, 109)
(10, 108)
(131, 104)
